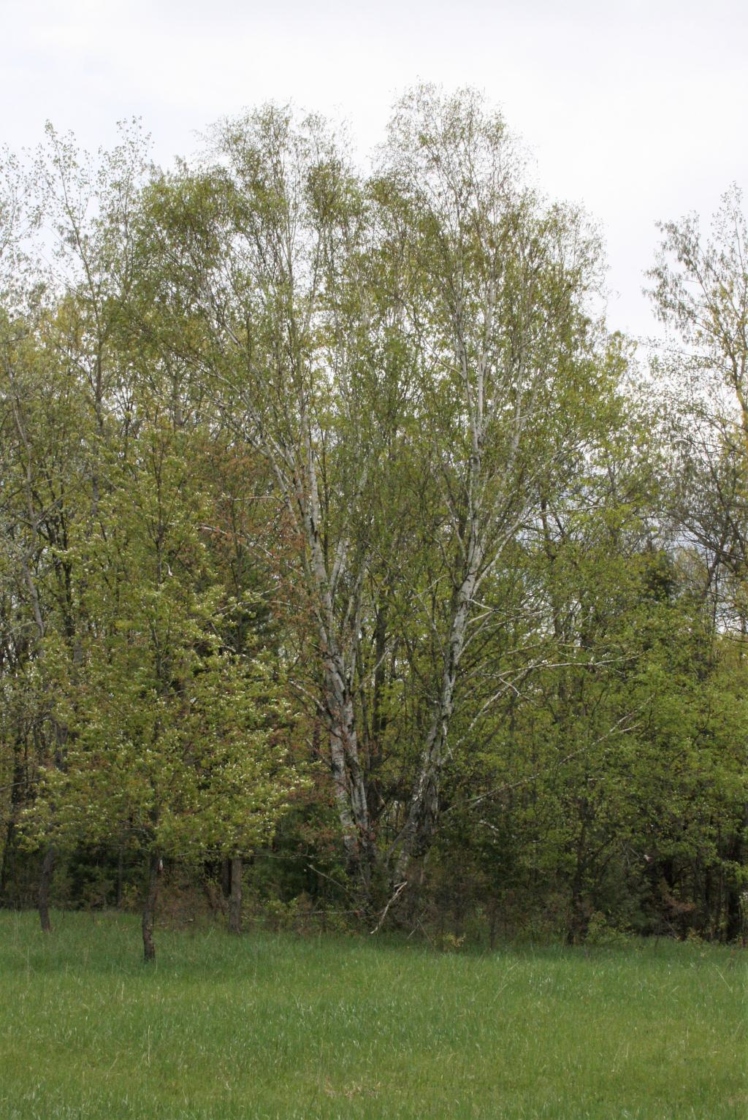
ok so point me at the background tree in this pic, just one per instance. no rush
(175, 744)
(701, 292)
(508, 371)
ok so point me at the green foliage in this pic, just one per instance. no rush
(172, 741)
(332, 518)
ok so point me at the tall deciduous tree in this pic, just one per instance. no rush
(150, 730)
(495, 299)
(272, 253)
(405, 352)
(701, 292)
(170, 746)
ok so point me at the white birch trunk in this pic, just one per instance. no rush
(338, 662)
(424, 802)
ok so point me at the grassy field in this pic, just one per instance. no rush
(280, 1026)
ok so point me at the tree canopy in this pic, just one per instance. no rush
(333, 519)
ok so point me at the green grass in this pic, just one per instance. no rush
(278, 1026)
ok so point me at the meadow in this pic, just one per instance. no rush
(282, 1026)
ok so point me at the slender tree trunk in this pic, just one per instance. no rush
(579, 918)
(339, 645)
(7, 860)
(155, 867)
(235, 895)
(349, 781)
(120, 875)
(423, 810)
(45, 882)
(736, 910)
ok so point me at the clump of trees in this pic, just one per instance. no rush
(333, 518)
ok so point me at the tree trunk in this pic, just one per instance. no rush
(7, 860)
(423, 810)
(120, 874)
(225, 877)
(45, 881)
(349, 782)
(339, 648)
(736, 925)
(579, 917)
(155, 867)
(235, 895)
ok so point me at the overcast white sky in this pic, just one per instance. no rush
(638, 110)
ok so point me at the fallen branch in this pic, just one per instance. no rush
(399, 890)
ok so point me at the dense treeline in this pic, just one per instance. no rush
(342, 547)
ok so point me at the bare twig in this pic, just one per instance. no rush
(398, 891)
(329, 878)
